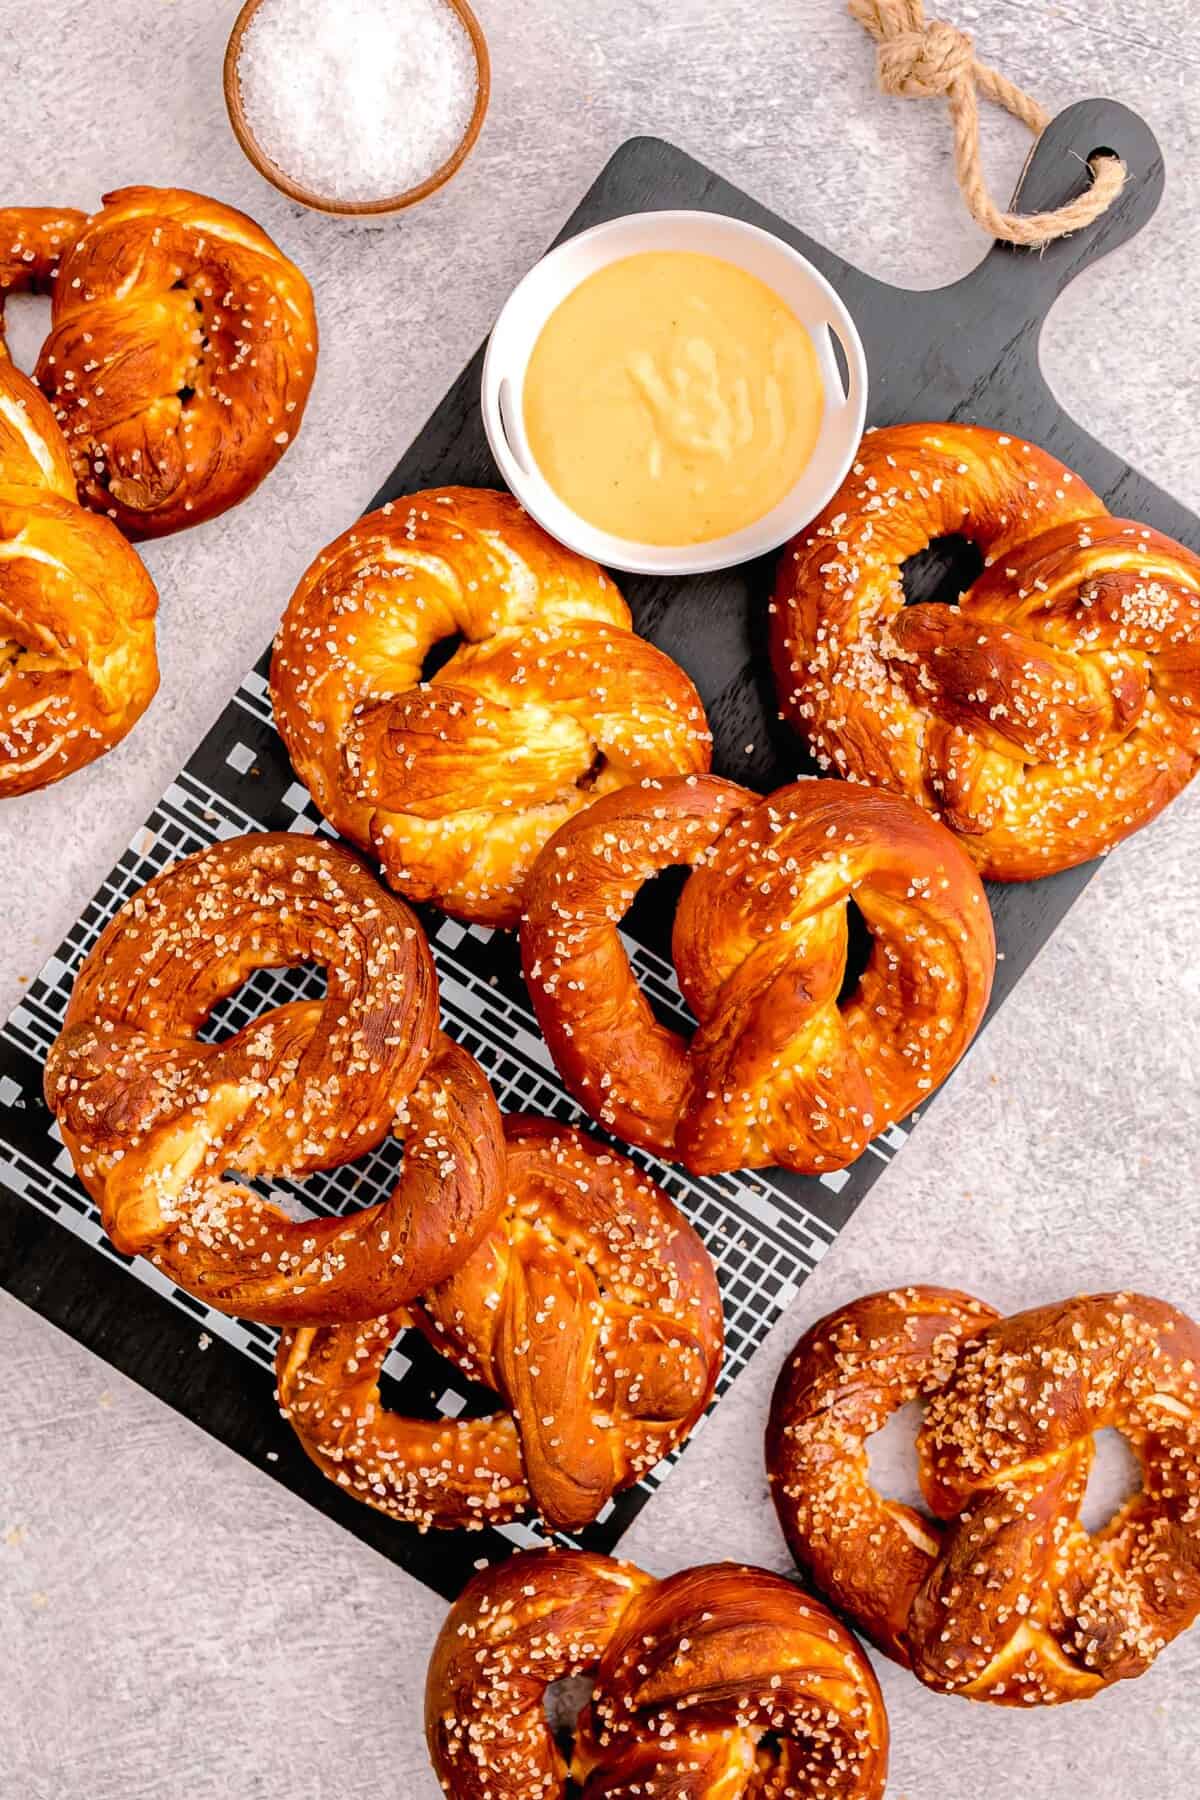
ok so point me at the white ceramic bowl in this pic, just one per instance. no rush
(793, 278)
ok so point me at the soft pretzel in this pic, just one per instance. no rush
(33, 242)
(1054, 709)
(591, 1307)
(1003, 1595)
(77, 658)
(717, 1683)
(550, 699)
(161, 1124)
(781, 1068)
(181, 352)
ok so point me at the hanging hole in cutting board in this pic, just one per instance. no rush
(942, 572)
(1115, 1477)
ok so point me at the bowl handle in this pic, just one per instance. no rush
(496, 405)
(852, 361)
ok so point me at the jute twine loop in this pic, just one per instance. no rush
(920, 59)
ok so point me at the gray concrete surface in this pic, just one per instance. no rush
(172, 1623)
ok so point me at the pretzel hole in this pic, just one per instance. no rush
(181, 286)
(418, 1382)
(650, 920)
(593, 772)
(892, 1459)
(185, 393)
(26, 328)
(257, 994)
(1114, 1479)
(859, 944)
(942, 572)
(439, 654)
(563, 1702)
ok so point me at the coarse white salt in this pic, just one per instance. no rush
(358, 99)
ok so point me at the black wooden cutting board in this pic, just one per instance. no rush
(967, 352)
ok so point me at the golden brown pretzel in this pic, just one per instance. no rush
(1003, 1595)
(160, 1123)
(719, 1683)
(1054, 709)
(181, 352)
(550, 699)
(77, 659)
(591, 1307)
(33, 241)
(780, 1069)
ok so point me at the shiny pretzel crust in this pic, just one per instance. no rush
(549, 700)
(780, 1069)
(1054, 709)
(591, 1308)
(1002, 1595)
(181, 352)
(160, 1123)
(717, 1683)
(77, 657)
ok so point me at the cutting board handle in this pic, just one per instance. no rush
(1057, 171)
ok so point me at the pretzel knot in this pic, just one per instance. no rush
(162, 1124)
(1003, 1595)
(77, 658)
(922, 64)
(182, 349)
(717, 1683)
(1049, 713)
(783, 1067)
(548, 700)
(591, 1307)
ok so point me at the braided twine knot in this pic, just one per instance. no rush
(922, 64)
(920, 59)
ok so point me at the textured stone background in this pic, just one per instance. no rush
(175, 1625)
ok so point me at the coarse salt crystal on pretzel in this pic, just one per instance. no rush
(548, 700)
(1050, 712)
(782, 1068)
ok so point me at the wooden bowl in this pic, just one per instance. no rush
(325, 202)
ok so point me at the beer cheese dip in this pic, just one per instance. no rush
(672, 398)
